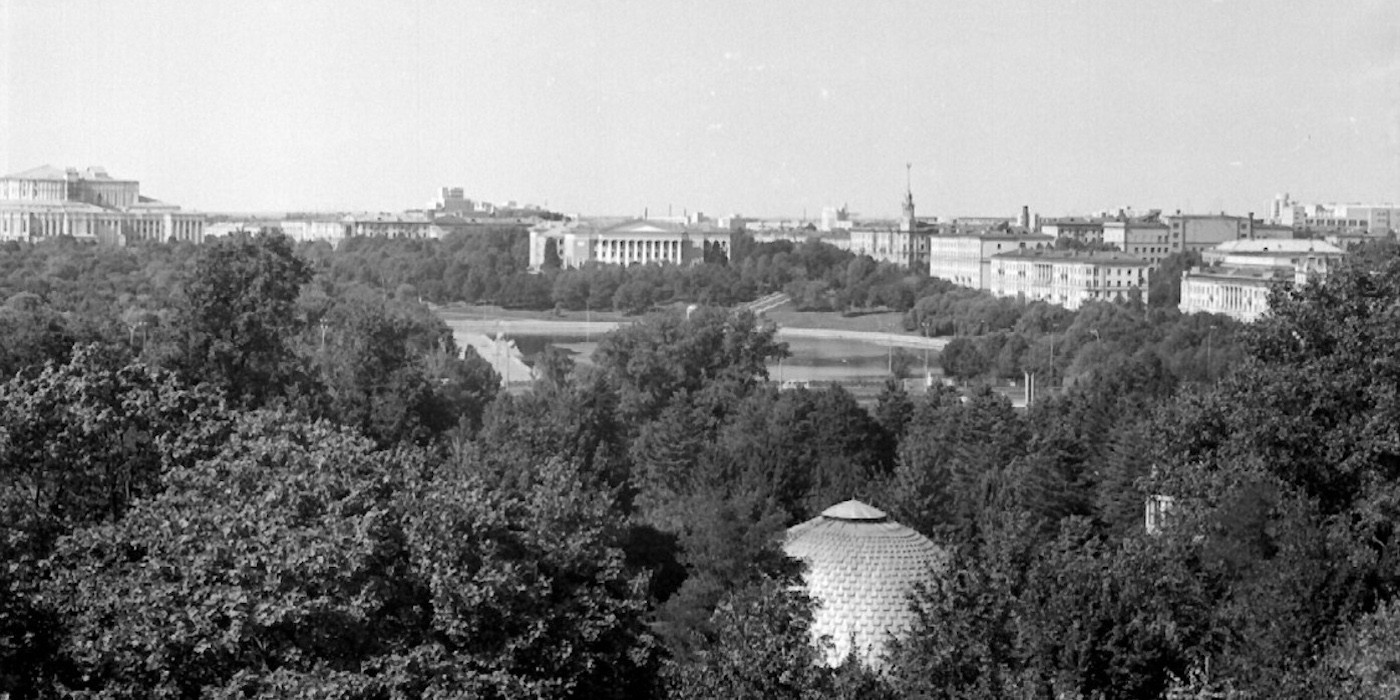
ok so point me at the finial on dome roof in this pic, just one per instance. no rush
(854, 510)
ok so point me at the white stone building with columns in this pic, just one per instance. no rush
(1239, 275)
(628, 242)
(89, 204)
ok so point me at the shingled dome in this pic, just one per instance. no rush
(861, 568)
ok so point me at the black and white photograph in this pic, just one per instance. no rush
(879, 350)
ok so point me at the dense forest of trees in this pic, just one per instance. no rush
(250, 470)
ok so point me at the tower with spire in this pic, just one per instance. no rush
(906, 223)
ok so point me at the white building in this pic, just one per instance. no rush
(88, 205)
(406, 224)
(314, 228)
(1075, 228)
(965, 257)
(1238, 276)
(1334, 216)
(1069, 278)
(629, 242)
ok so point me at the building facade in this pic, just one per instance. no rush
(1150, 240)
(1334, 216)
(386, 225)
(1080, 229)
(314, 228)
(1069, 278)
(892, 244)
(1241, 293)
(1238, 276)
(965, 258)
(1202, 231)
(88, 205)
(630, 242)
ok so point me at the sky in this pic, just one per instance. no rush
(770, 108)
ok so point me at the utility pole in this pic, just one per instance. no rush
(1210, 337)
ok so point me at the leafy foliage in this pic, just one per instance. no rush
(298, 557)
(241, 315)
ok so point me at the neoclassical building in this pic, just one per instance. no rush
(1238, 275)
(629, 242)
(1238, 292)
(45, 202)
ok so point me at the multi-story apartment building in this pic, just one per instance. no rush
(1075, 228)
(1202, 231)
(965, 257)
(1153, 238)
(1069, 278)
(1334, 216)
(630, 242)
(1148, 239)
(88, 205)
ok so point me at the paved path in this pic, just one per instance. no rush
(768, 303)
(504, 357)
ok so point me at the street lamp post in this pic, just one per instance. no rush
(1210, 338)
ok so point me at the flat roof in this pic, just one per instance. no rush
(1240, 274)
(1073, 256)
(997, 236)
(1278, 245)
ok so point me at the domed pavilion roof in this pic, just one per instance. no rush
(861, 568)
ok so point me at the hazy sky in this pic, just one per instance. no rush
(759, 108)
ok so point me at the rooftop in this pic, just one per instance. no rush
(1097, 257)
(49, 172)
(861, 567)
(1258, 274)
(996, 235)
(1256, 246)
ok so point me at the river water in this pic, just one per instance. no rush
(851, 362)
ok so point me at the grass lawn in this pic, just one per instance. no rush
(879, 322)
(469, 311)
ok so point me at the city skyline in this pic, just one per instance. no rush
(723, 108)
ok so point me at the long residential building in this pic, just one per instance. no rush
(91, 205)
(1329, 217)
(1069, 278)
(965, 257)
